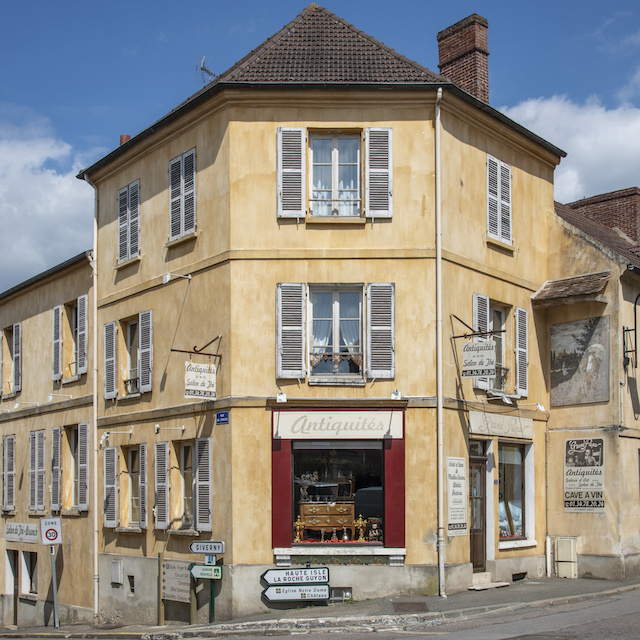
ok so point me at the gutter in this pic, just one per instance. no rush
(94, 270)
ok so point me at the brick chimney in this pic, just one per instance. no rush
(616, 210)
(124, 138)
(464, 55)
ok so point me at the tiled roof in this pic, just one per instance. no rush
(316, 47)
(585, 286)
(610, 238)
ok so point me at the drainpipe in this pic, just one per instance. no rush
(94, 265)
(439, 409)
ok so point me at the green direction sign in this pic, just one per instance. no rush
(208, 572)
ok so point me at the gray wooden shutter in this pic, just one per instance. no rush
(55, 468)
(40, 470)
(381, 362)
(57, 342)
(481, 323)
(145, 351)
(123, 224)
(505, 202)
(17, 357)
(9, 473)
(175, 195)
(134, 219)
(33, 462)
(291, 173)
(290, 330)
(82, 335)
(111, 487)
(162, 486)
(521, 352)
(493, 196)
(142, 484)
(204, 521)
(110, 361)
(189, 196)
(83, 466)
(378, 173)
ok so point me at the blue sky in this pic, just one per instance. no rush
(75, 76)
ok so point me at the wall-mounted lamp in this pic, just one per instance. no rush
(396, 395)
(51, 396)
(538, 405)
(17, 404)
(107, 434)
(158, 427)
(281, 397)
(167, 276)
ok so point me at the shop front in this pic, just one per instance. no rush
(338, 481)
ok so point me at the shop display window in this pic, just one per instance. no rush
(338, 492)
(511, 488)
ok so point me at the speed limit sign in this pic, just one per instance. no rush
(50, 531)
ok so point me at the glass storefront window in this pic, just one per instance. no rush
(338, 492)
(511, 488)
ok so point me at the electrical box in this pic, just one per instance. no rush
(566, 557)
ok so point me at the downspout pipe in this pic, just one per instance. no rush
(439, 398)
(94, 344)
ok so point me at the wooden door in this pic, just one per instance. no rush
(477, 470)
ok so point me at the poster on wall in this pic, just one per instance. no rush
(580, 362)
(456, 496)
(584, 475)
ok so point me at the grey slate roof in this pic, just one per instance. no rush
(317, 46)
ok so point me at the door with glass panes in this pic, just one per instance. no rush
(477, 503)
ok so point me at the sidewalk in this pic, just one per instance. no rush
(402, 612)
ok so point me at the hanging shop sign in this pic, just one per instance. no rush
(496, 424)
(456, 497)
(479, 359)
(584, 475)
(338, 425)
(199, 380)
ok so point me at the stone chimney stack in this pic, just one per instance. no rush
(464, 55)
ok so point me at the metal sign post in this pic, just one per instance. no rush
(51, 534)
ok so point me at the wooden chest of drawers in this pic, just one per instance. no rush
(327, 515)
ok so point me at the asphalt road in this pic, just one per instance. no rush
(616, 618)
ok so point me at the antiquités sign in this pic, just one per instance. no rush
(479, 359)
(199, 380)
(338, 425)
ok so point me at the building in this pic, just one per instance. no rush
(589, 314)
(46, 412)
(315, 339)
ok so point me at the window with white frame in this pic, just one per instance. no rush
(129, 221)
(186, 466)
(36, 471)
(130, 342)
(11, 360)
(339, 185)
(8, 473)
(70, 340)
(511, 491)
(350, 331)
(29, 573)
(491, 321)
(182, 192)
(69, 468)
(499, 200)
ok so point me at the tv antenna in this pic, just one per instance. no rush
(203, 69)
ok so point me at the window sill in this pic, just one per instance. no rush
(283, 554)
(184, 532)
(8, 513)
(74, 512)
(71, 379)
(500, 244)
(38, 512)
(129, 530)
(349, 220)
(185, 238)
(32, 597)
(9, 396)
(128, 262)
(503, 545)
(129, 396)
(337, 381)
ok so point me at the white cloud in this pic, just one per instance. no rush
(46, 212)
(602, 147)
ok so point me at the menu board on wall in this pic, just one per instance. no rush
(456, 497)
(584, 475)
